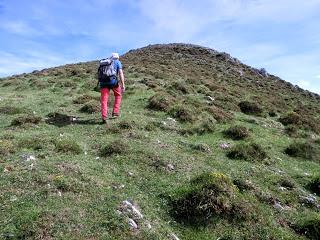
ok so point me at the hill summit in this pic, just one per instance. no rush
(206, 148)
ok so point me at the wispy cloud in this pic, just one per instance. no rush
(279, 35)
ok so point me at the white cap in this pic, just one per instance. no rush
(115, 55)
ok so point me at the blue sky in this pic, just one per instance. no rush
(282, 36)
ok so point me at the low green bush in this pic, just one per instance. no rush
(314, 185)
(207, 196)
(251, 108)
(305, 150)
(115, 147)
(68, 146)
(248, 152)
(308, 226)
(25, 120)
(6, 147)
(237, 132)
(90, 107)
(160, 102)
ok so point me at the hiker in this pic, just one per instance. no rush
(108, 73)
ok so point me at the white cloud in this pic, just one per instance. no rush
(19, 28)
(318, 76)
(33, 60)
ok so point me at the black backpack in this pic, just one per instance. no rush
(106, 70)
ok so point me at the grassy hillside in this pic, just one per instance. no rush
(206, 148)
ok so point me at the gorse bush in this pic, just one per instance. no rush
(248, 152)
(309, 226)
(251, 108)
(314, 185)
(25, 120)
(84, 99)
(291, 118)
(9, 110)
(68, 146)
(306, 150)
(237, 132)
(115, 147)
(6, 147)
(90, 107)
(182, 113)
(160, 102)
(207, 196)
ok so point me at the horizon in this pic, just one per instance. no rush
(278, 36)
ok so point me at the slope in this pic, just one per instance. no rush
(206, 148)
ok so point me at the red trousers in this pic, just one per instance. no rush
(104, 101)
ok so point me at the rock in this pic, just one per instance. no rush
(170, 167)
(210, 98)
(130, 174)
(277, 205)
(309, 200)
(173, 236)
(28, 157)
(225, 145)
(282, 188)
(148, 225)
(136, 212)
(133, 225)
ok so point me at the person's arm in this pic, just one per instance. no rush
(122, 80)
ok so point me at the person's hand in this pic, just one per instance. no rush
(123, 89)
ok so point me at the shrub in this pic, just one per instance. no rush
(68, 146)
(287, 183)
(209, 195)
(314, 185)
(219, 114)
(291, 130)
(180, 86)
(182, 113)
(126, 124)
(160, 102)
(6, 147)
(291, 118)
(26, 119)
(248, 152)
(202, 147)
(90, 107)
(9, 110)
(251, 108)
(115, 147)
(305, 150)
(84, 99)
(32, 143)
(237, 132)
(309, 226)
(200, 127)
(273, 114)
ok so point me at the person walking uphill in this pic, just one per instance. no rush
(109, 71)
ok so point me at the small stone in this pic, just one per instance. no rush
(13, 198)
(281, 188)
(210, 98)
(59, 194)
(97, 158)
(85, 153)
(170, 167)
(132, 224)
(224, 145)
(136, 212)
(148, 225)
(173, 236)
(130, 174)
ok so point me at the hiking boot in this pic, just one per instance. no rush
(103, 121)
(115, 115)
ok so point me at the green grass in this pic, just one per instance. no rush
(83, 171)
